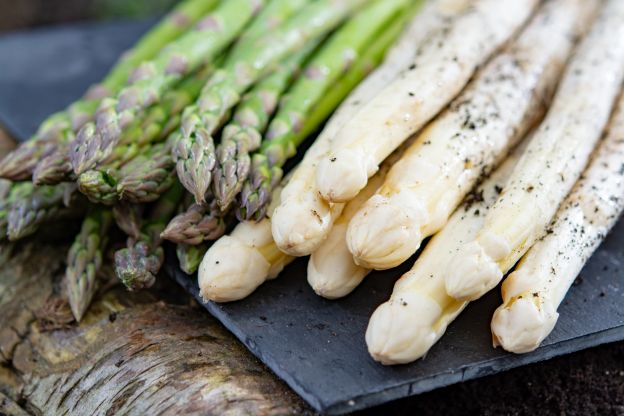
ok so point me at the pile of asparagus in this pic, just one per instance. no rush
(487, 127)
(191, 130)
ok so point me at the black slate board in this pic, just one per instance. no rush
(316, 346)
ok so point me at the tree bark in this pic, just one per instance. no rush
(132, 354)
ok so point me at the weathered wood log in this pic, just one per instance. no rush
(132, 354)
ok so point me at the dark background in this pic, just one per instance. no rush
(19, 14)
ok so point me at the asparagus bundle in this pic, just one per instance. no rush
(551, 164)
(533, 292)
(419, 310)
(146, 86)
(194, 152)
(58, 129)
(290, 125)
(303, 219)
(85, 259)
(507, 97)
(138, 264)
(244, 133)
(442, 67)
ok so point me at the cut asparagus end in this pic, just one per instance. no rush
(385, 233)
(341, 175)
(403, 329)
(332, 273)
(471, 273)
(521, 324)
(225, 278)
(299, 228)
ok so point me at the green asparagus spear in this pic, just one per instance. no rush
(59, 128)
(291, 125)
(244, 133)
(138, 264)
(273, 15)
(190, 256)
(33, 206)
(194, 151)
(85, 258)
(152, 79)
(197, 224)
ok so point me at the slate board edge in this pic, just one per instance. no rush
(401, 390)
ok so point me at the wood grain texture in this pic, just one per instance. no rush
(132, 354)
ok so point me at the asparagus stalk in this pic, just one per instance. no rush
(85, 259)
(538, 285)
(34, 206)
(197, 224)
(194, 151)
(303, 219)
(419, 310)
(58, 129)
(244, 133)
(551, 164)
(190, 256)
(442, 67)
(472, 136)
(272, 16)
(138, 264)
(310, 95)
(152, 79)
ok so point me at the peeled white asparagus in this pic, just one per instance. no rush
(552, 162)
(418, 312)
(534, 291)
(303, 219)
(238, 263)
(332, 272)
(504, 100)
(442, 67)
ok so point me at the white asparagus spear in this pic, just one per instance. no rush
(303, 219)
(418, 312)
(442, 67)
(534, 291)
(236, 264)
(552, 162)
(505, 99)
(332, 272)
